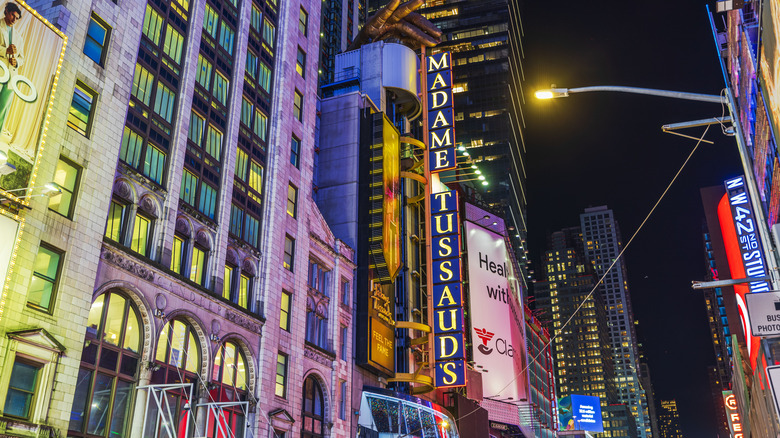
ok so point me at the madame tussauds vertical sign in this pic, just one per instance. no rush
(441, 133)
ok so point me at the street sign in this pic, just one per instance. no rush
(773, 373)
(764, 313)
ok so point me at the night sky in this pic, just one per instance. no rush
(608, 149)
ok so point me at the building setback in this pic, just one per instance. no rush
(190, 280)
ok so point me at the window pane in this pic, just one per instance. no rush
(95, 316)
(243, 292)
(142, 84)
(265, 77)
(227, 281)
(226, 37)
(300, 63)
(261, 124)
(197, 266)
(101, 400)
(256, 177)
(268, 34)
(152, 25)
(80, 398)
(303, 22)
(65, 176)
(192, 363)
(116, 215)
(140, 240)
(228, 368)
(21, 389)
(292, 199)
(289, 253)
(46, 266)
(81, 109)
(257, 16)
(114, 320)
(204, 72)
(133, 330)
(96, 40)
(174, 42)
(236, 220)
(121, 404)
(251, 64)
(154, 164)
(246, 112)
(281, 375)
(214, 142)
(177, 252)
(164, 101)
(131, 147)
(195, 133)
(210, 20)
(208, 199)
(221, 88)
(298, 106)
(252, 231)
(284, 320)
(241, 162)
(188, 187)
(295, 151)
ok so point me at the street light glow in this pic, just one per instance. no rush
(544, 94)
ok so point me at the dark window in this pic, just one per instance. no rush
(295, 152)
(21, 388)
(313, 409)
(98, 34)
(81, 109)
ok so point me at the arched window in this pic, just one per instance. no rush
(313, 409)
(109, 363)
(176, 361)
(229, 384)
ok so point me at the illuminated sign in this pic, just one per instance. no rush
(732, 413)
(28, 78)
(381, 326)
(747, 233)
(580, 412)
(448, 343)
(441, 132)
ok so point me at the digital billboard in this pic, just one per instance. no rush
(580, 412)
(32, 51)
(498, 346)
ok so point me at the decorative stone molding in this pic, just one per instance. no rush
(318, 356)
(130, 266)
(149, 206)
(123, 190)
(231, 257)
(183, 226)
(202, 238)
(249, 267)
(242, 321)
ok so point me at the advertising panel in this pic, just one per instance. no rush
(770, 79)
(732, 413)
(580, 412)
(441, 133)
(448, 343)
(499, 348)
(32, 51)
(391, 203)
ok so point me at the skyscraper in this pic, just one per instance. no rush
(669, 420)
(602, 244)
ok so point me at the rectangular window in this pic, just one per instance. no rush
(98, 33)
(130, 152)
(298, 106)
(227, 37)
(252, 231)
(265, 77)
(289, 253)
(284, 318)
(66, 177)
(257, 18)
(256, 177)
(295, 152)
(281, 375)
(319, 277)
(195, 133)
(164, 102)
(208, 200)
(152, 25)
(345, 286)
(269, 31)
(81, 109)
(198, 265)
(241, 162)
(154, 164)
(343, 401)
(116, 221)
(173, 44)
(344, 342)
(300, 63)
(189, 183)
(140, 240)
(243, 292)
(221, 88)
(227, 282)
(21, 389)
(210, 21)
(177, 255)
(251, 64)
(246, 112)
(261, 124)
(214, 142)
(303, 22)
(203, 75)
(142, 84)
(292, 200)
(44, 280)
(236, 220)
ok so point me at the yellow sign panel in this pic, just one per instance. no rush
(382, 345)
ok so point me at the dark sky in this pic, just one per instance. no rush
(608, 149)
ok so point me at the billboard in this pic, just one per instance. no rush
(498, 345)
(580, 412)
(32, 53)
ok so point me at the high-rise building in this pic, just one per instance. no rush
(716, 389)
(669, 420)
(541, 412)
(717, 317)
(602, 244)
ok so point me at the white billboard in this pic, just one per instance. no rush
(498, 347)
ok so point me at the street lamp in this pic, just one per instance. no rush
(725, 98)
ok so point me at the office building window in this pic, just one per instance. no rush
(246, 112)
(256, 20)
(98, 33)
(292, 200)
(21, 388)
(295, 151)
(203, 75)
(281, 375)
(344, 342)
(227, 282)
(243, 297)
(81, 109)
(208, 200)
(298, 106)
(343, 401)
(251, 64)
(236, 220)
(66, 177)
(313, 409)
(142, 84)
(261, 124)
(345, 287)
(43, 284)
(130, 152)
(198, 266)
(177, 254)
(227, 37)
(265, 77)
(256, 177)
(210, 21)
(164, 102)
(141, 235)
(152, 25)
(317, 327)
(319, 277)
(284, 318)
(300, 63)
(242, 159)
(214, 142)
(269, 31)
(289, 252)
(154, 164)
(189, 184)
(252, 231)
(116, 221)
(221, 88)
(197, 124)
(303, 22)
(173, 45)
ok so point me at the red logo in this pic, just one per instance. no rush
(484, 335)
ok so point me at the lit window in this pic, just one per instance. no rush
(177, 254)
(208, 200)
(261, 124)
(284, 318)
(210, 20)
(221, 88)
(164, 101)
(281, 375)
(300, 63)
(236, 220)
(66, 176)
(198, 266)
(81, 109)
(154, 164)
(265, 77)
(251, 64)
(292, 200)
(244, 288)
(298, 106)
(241, 164)
(269, 32)
(130, 152)
(189, 184)
(140, 239)
(195, 133)
(303, 22)
(228, 383)
(214, 142)
(44, 280)
(116, 221)
(257, 17)
(295, 151)
(256, 177)
(203, 75)
(226, 37)
(227, 282)
(173, 44)
(289, 253)
(98, 33)
(152, 25)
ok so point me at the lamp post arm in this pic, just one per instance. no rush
(653, 92)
